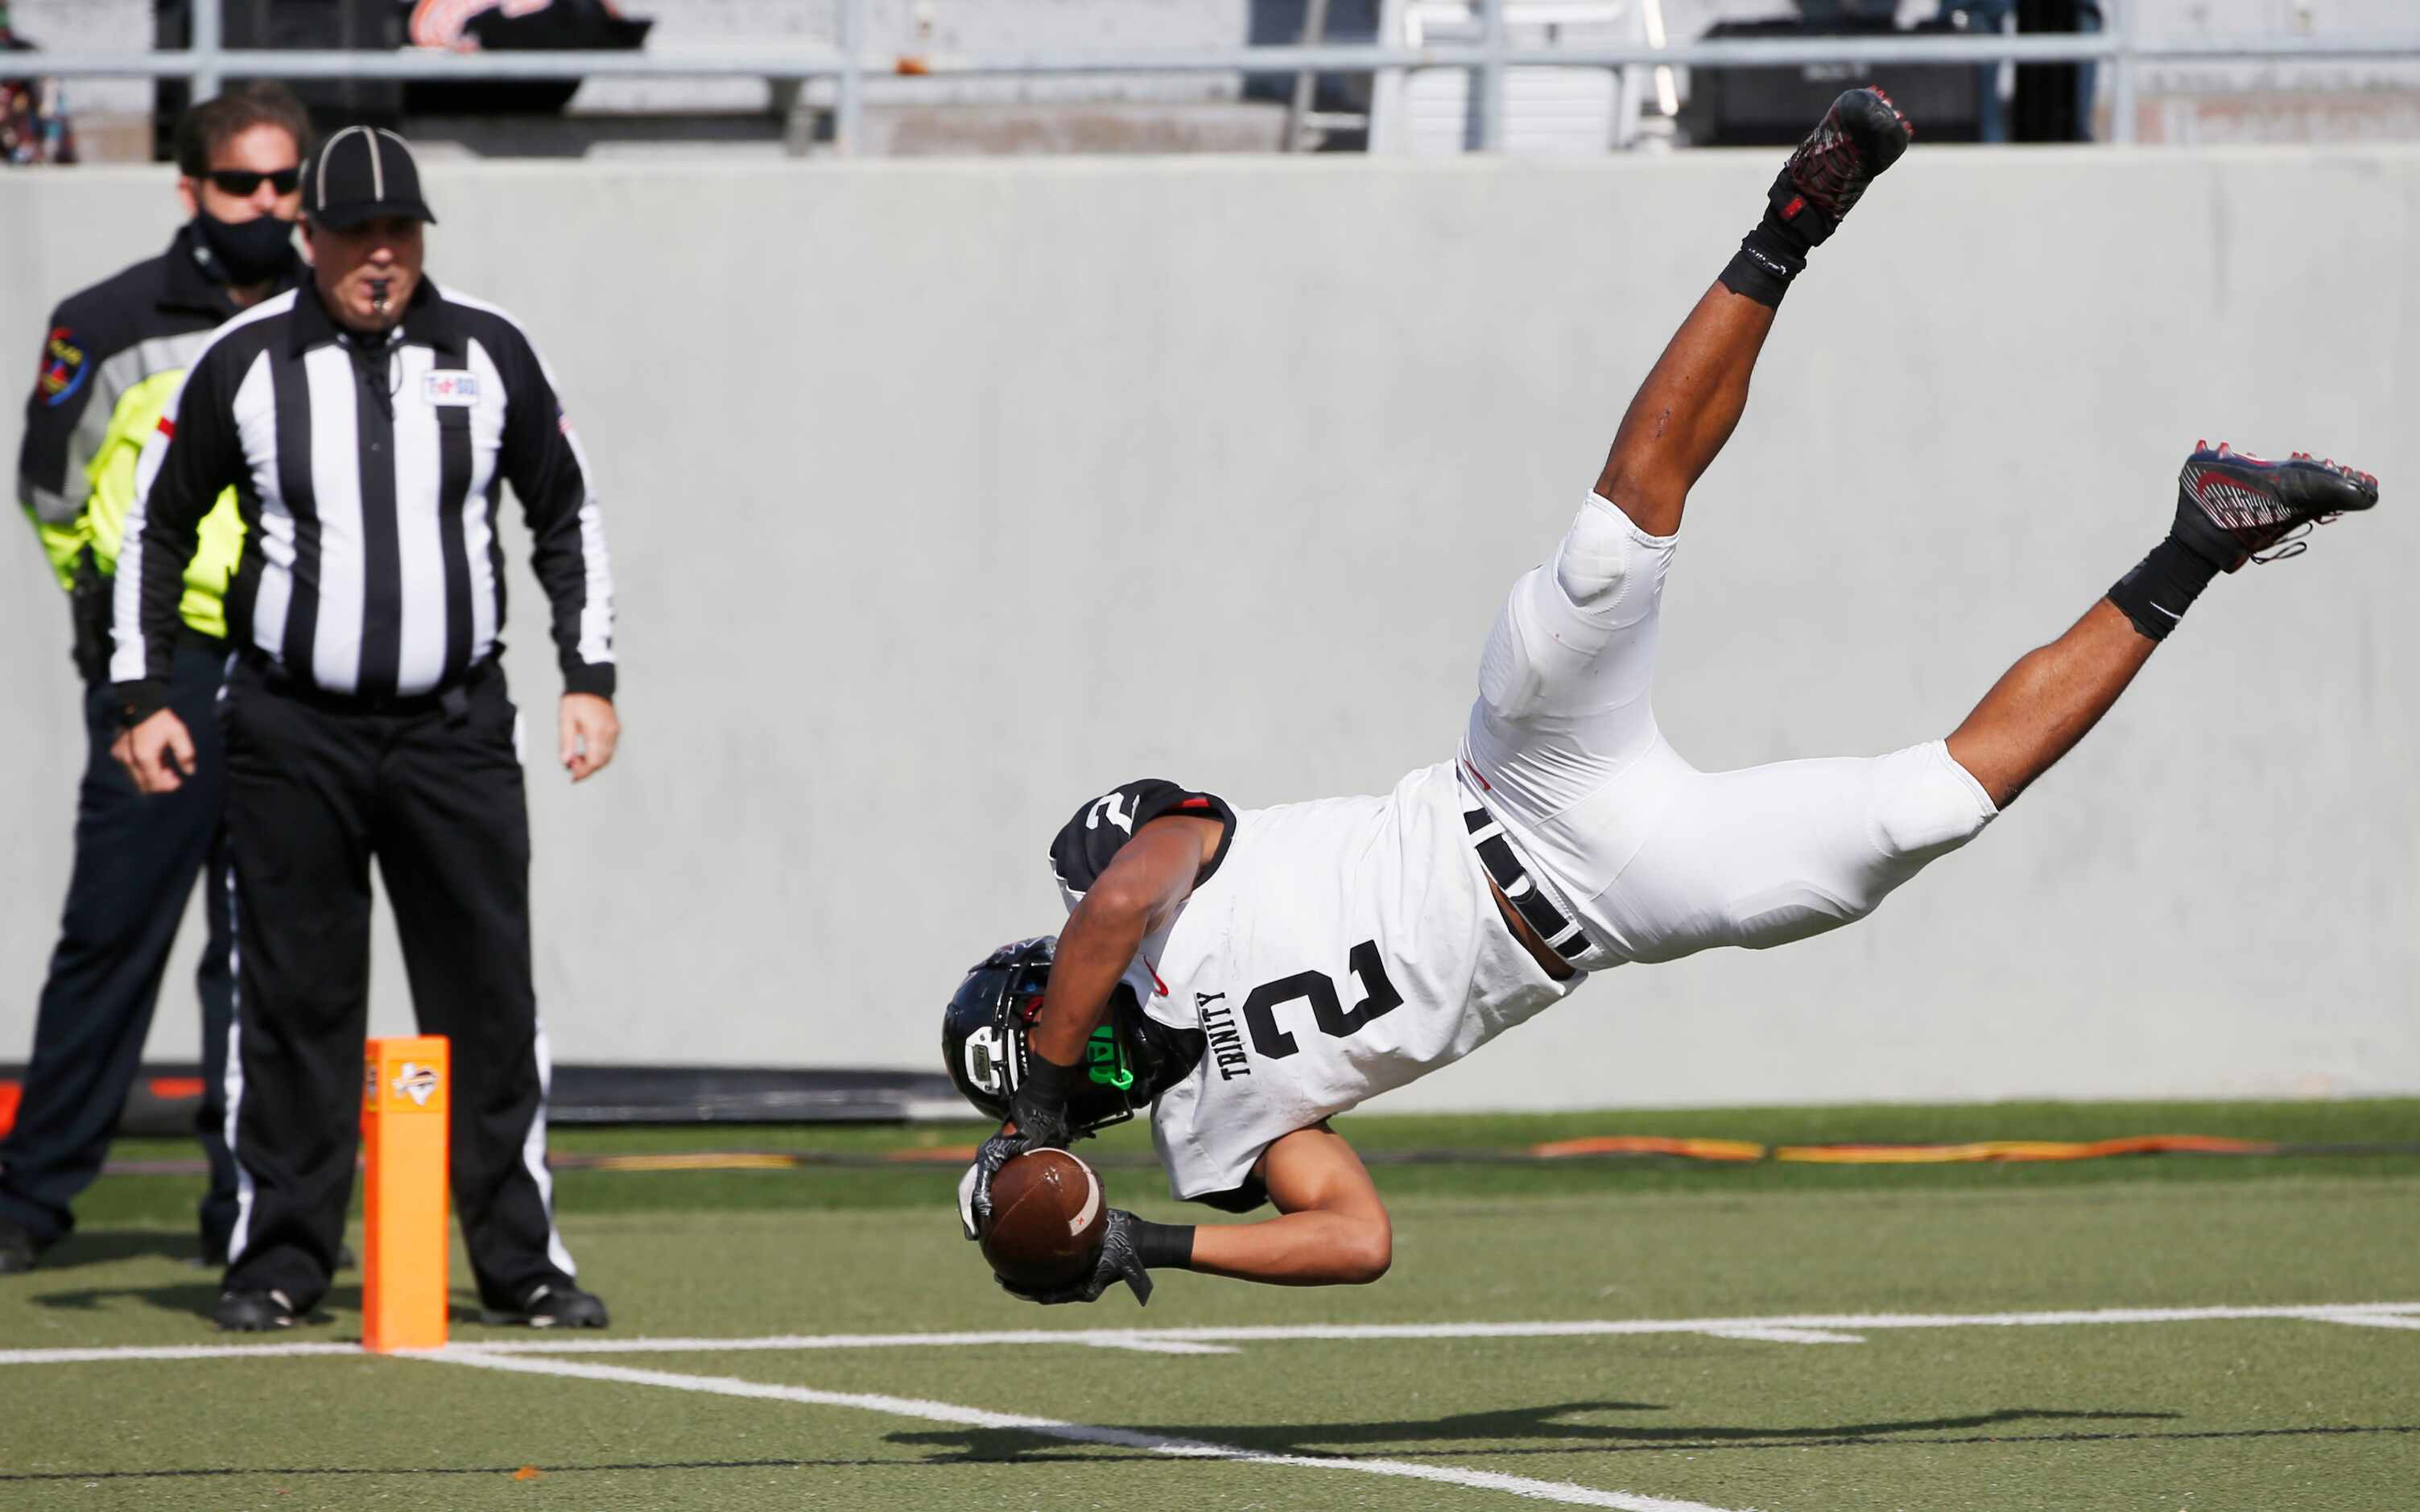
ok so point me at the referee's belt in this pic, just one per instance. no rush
(451, 698)
(1496, 853)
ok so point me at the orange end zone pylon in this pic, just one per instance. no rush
(405, 1086)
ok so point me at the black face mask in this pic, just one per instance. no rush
(246, 252)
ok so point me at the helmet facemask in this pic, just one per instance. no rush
(985, 1048)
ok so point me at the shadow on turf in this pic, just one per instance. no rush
(1492, 1431)
(199, 1296)
(1064, 1453)
(103, 1246)
(196, 1298)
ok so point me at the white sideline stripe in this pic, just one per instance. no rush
(2375, 1315)
(2371, 1320)
(1786, 1335)
(169, 1351)
(1164, 1347)
(1112, 1339)
(930, 1411)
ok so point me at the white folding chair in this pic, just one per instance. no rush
(1431, 112)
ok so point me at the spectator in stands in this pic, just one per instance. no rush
(33, 126)
(1991, 18)
(464, 25)
(552, 25)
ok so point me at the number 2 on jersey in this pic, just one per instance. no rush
(1106, 807)
(1327, 1010)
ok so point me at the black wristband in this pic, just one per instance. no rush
(1163, 1246)
(139, 701)
(1046, 1082)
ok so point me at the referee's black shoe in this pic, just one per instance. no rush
(16, 1248)
(552, 1304)
(2233, 508)
(1862, 134)
(253, 1312)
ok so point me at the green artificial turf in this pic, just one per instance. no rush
(2279, 1415)
(166, 1200)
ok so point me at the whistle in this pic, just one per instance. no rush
(378, 295)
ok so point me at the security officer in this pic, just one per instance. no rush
(111, 357)
(369, 422)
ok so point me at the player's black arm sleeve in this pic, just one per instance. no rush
(1136, 897)
(1106, 927)
(194, 458)
(550, 476)
(1087, 843)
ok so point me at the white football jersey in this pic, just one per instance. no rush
(1331, 950)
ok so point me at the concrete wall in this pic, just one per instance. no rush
(943, 496)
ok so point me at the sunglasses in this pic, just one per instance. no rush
(243, 182)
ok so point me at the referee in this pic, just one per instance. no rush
(367, 422)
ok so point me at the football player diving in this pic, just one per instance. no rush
(1248, 975)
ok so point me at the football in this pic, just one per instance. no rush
(1048, 1219)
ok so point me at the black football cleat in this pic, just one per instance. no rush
(2234, 507)
(253, 1312)
(552, 1304)
(16, 1248)
(1860, 136)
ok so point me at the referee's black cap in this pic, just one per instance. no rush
(359, 174)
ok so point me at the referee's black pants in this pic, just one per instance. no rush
(136, 861)
(432, 787)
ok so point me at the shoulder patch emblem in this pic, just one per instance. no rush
(63, 369)
(450, 388)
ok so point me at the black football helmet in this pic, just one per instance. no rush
(983, 1041)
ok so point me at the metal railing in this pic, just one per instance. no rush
(207, 62)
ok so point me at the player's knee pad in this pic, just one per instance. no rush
(1924, 805)
(1508, 676)
(1920, 805)
(1609, 569)
(1540, 646)
(1554, 655)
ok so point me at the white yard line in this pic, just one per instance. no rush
(931, 1411)
(2372, 1319)
(1836, 1324)
(168, 1351)
(522, 1356)
(1146, 1346)
(1787, 1335)
(1189, 1340)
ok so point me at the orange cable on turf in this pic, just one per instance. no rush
(1696, 1150)
(2019, 1149)
(702, 1161)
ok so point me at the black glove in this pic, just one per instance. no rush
(1120, 1261)
(89, 605)
(1039, 1110)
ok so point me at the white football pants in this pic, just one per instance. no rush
(1656, 859)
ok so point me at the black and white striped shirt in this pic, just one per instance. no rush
(368, 474)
